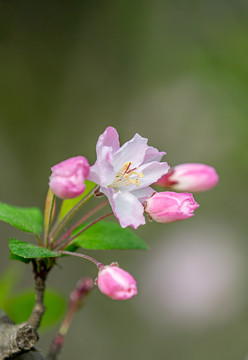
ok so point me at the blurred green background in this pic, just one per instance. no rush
(176, 72)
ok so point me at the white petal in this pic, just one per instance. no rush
(94, 174)
(133, 150)
(128, 210)
(152, 172)
(109, 138)
(152, 154)
(102, 172)
(143, 194)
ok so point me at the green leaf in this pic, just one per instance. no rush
(108, 235)
(25, 219)
(19, 307)
(29, 251)
(18, 258)
(67, 205)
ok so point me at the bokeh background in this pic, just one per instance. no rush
(176, 72)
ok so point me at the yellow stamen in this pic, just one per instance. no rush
(123, 178)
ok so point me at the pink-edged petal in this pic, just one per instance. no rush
(152, 154)
(152, 172)
(126, 207)
(109, 138)
(102, 172)
(94, 174)
(143, 194)
(128, 210)
(109, 192)
(133, 150)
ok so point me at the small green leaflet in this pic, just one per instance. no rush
(67, 205)
(108, 236)
(25, 219)
(30, 251)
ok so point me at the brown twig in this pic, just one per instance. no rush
(15, 338)
(18, 338)
(40, 271)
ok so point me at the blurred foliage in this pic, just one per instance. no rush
(18, 305)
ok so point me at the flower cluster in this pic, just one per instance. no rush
(125, 175)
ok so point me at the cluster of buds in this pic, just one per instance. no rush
(125, 176)
(169, 206)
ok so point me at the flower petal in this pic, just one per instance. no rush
(152, 172)
(143, 194)
(126, 207)
(109, 138)
(152, 154)
(133, 150)
(102, 172)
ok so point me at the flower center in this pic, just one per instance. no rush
(123, 177)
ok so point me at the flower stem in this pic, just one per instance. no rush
(39, 240)
(79, 222)
(97, 263)
(83, 230)
(49, 221)
(60, 225)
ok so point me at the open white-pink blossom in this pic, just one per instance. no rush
(126, 173)
(116, 283)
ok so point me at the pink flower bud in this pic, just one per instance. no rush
(67, 179)
(116, 283)
(190, 177)
(168, 206)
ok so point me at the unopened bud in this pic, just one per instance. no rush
(116, 283)
(168, 206)
(190, 177)
(67, 179)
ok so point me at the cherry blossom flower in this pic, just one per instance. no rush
(125, 174)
